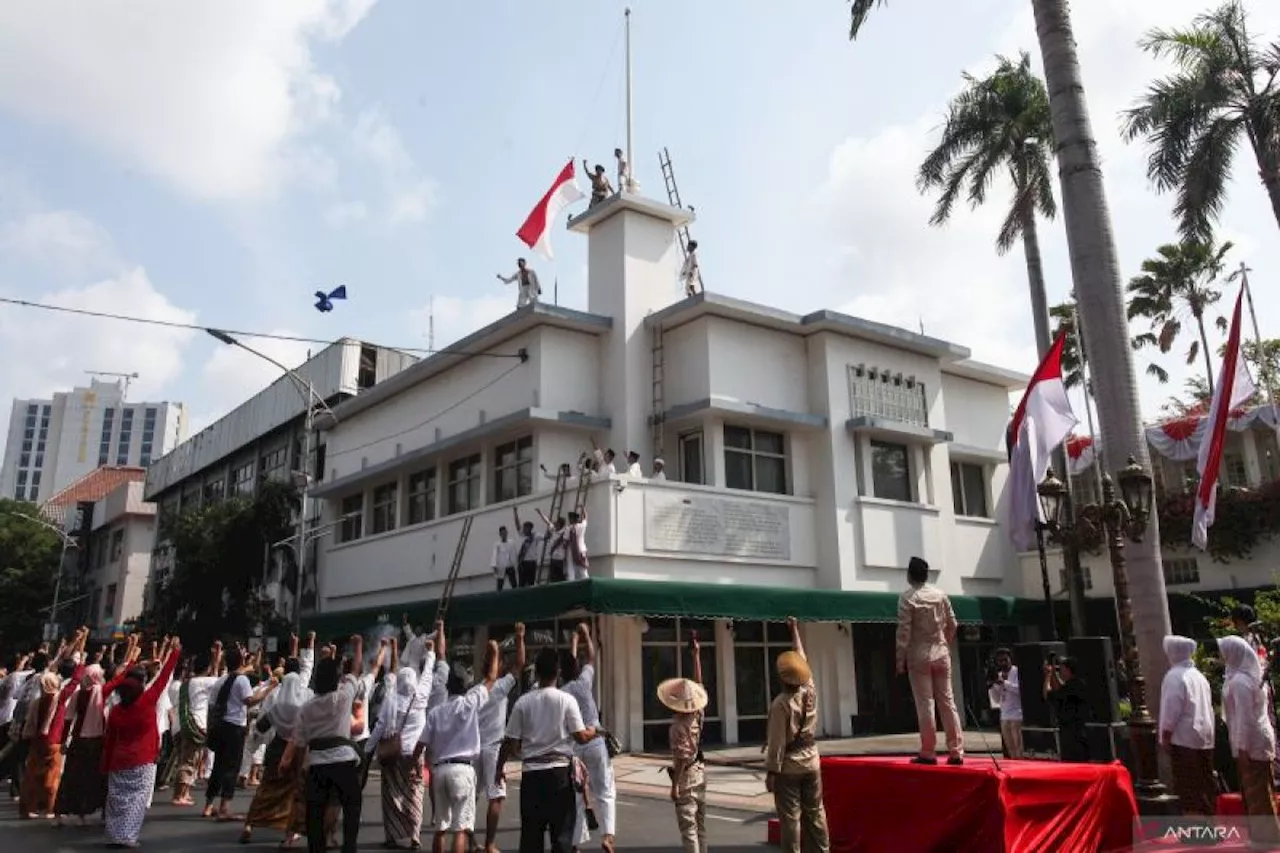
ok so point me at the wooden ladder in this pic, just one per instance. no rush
(446, 595)
(557, 507)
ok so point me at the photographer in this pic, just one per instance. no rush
(1065, 692)
(1005, 688)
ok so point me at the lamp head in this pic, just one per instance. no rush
(1052, 493)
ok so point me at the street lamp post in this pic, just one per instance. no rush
(1120, 518)
(68, 541)
(303, 478)
(1051, 493)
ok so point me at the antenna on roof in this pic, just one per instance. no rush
(922, 324)
(431, 323)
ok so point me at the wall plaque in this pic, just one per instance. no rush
(719, 526)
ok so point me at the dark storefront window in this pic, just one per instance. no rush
(664, 653)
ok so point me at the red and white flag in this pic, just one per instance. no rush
(536, 230)
(1233, 390)
(1042, 421)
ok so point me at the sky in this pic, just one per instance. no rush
(218, 162)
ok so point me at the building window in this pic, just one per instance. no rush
(756, 645)
(352, 518)
(275, 464)
(755, 460)
(1084, 570)
(878, 393)
(384, 508)
(422, 497)
(26, 446)
(692, 469)
(1234, 474)
(126, 436)
(664, 653)
(24, 460)
(22, 478)
(39, 460)
(109, 605)
(104, 446)
(367, 376)
(117, 544)
(513, 470)
(215, 490)
(464, 484)
(1181, 570)
(891, 471)
(19, 493)
(35, 494)
(969, 489)
(242, 479)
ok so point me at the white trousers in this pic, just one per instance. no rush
(527, 296)
(604, 796)
(578, 573)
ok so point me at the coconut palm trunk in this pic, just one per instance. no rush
(1204, 350)
(1096, 275)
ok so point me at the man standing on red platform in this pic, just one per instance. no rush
(926, 632)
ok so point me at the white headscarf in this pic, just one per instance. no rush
(1179, 649)
(401, 688)
(1241, 659)
(284, 704)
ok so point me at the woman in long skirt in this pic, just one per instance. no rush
(84, 785)
(46, 722)
(403, 713)
(579, 683)
(1253, 740)
(130, 749)
(280, 799)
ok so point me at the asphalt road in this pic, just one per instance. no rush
(643, 825)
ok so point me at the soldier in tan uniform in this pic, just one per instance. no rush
(926, 632)
(791, 756)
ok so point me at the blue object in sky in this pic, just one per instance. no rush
(324, 302)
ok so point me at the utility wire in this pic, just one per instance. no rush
(84, 312)
(503, 375)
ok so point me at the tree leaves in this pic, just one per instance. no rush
(29, 557)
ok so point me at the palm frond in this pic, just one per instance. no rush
(1221, 324)
(1161, 375)
(1168, 333)
(1192, 352)
(1144, 340)
(858, 11)
(1203, 188)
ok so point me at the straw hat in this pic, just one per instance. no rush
(682, 695)
(794, 669)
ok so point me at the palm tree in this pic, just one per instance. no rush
(1225, 89)
(1095, 273)
(1178, 282)
(1000, 122)
(1073, 353)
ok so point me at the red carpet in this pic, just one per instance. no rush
(888, 805)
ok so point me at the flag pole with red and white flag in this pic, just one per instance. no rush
(536, 230)
(1042, 421)
(1233, 390)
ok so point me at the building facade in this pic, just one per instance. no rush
(53, 443)
(118, 559)
(807, 458)
(263, 438)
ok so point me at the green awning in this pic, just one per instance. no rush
(670, 598)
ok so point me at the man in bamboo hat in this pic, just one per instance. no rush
(791, 755)
(926, 632)
(687, 699)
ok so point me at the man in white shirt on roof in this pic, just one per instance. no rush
(659, 470)
(544, 725)
(576, 533)
(633, 464)
(493, 721)
(504, 559)
(451, 740)
(604, 463)
(530, 289)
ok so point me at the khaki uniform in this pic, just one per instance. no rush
(792, 756)
(926, 629)
(691, 786)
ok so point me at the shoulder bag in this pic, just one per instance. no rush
(390, 748)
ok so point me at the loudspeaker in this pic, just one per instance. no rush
(1039, 742)
(1030, 659)
(1108, 742)
(1096, 666)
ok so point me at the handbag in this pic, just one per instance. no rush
(391, 748)
(611, 744)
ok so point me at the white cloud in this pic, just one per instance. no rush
(45, 351)
(62, 238)
(211, 96)
(409, 194)
(233, 375)
(345, 213)
(875, 230)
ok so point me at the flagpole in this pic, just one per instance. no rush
(1088, 407)
(1262, 353)
(631, 161)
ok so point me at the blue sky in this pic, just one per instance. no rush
(218, 162)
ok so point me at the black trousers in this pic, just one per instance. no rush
(547, 805)
(510, 577)
(325, 782)
(21, 749)
(228, 750)
(556, 574)
(528, 573)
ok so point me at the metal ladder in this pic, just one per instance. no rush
(446, 595)
(673, 196)
(659, 405)
(557, 506)
(584, 486)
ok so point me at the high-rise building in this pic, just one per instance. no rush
(53, 443)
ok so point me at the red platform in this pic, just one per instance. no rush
(879, 804)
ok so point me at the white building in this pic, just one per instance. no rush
(808, 458)
(262, 438)
(118, 561)
(53, 443)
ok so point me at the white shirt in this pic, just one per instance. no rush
(199, 696)
(410, 717)
(10, 690)
(493, 713)
(165, 704)
(504, 555)
(579, 532)
(364, 690)
(237, 711)
(1010, 695)
(545, 720)
(634, 470)
(1244, 708)
(624, 175)
(533, 552)
(453, 729)
(325, 717)
(1186, 707)
(580, 688)
(689, 272)
(659, 475)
